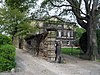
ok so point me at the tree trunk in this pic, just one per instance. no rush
(91, 40)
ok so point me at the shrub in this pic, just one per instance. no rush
(98, 40)
(83, 41)
(7, 57)
(78, 34)
(5, 40)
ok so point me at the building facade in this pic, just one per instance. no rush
(61, 32)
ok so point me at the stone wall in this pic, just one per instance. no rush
(46, 46)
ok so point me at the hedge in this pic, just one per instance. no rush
(7, 53)
(7, 57)
(5, 40)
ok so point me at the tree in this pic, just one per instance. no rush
(85, 17)
(21, 5)
(14, 22)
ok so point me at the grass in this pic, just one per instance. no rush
(71, 51)
(98, 60)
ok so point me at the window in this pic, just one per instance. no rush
(68, 42)
(59, 33)
(69, 34)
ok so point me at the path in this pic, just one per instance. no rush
(29, 65)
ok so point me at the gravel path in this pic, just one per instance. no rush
(29, 65)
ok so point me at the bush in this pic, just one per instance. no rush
(5, 40)
(98, 40)
(7, 57)
(83, 41)
(78, 34)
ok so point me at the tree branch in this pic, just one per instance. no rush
(82, 23)
(58, 5)
(87, 6)
(47, 18)
(64, 11)
(73, 6)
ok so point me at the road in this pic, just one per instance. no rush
(30, 65)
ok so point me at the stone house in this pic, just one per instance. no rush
(44, 40)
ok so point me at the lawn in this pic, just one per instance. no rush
(71, 51)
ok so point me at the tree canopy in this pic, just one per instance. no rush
(14, 18)
(14, 22)
(22, 5)
(81, 9)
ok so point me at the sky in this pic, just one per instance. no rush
(52, 12)
(1, 1)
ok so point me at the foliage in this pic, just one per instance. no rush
(78, 34)
(14, 22)
(5, 40)
(22, 5)
(98, 40)
(7, 53)
(71, 51)
(83, 42)
(7, 57)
